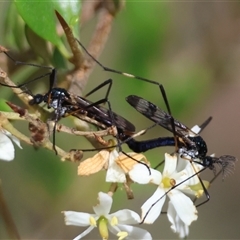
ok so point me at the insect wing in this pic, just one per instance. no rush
(103, 115)
(158, 116)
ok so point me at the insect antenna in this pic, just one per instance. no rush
(52, 74)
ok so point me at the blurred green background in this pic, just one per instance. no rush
(193, 49)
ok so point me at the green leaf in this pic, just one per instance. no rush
(14, 22)
(39, 16)
(38, 44)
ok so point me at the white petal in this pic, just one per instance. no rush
(181, 163)
(83, 234)
(184, 206)
(114, 229)
(115, 175)
(170, 164)
(80, 219)
(104, 206)
(140, 174)
(14, 139)
(126, 216)
(152, 208)
(178, 225)
(191, 170)
(188, 173)
(135, 232)
(7, 150)
(114, 172)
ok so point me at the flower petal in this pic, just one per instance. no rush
(135, 232)
(170, 164)
(126, 162)
(152, 208)
(94, 164)
(188, 175)
(104, 206)
(7, 150)
(114, 229)
(83, 234)
(178, 225)
(140, 174)
(80, 219)
(184, 206)
(14, 139)
(126, 216)
(114, 172)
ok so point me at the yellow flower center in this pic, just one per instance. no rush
(168, 182)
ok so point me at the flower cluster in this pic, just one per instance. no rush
(179, 181)
(178, 178)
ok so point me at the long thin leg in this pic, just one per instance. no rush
(107, 69)
(105, 99)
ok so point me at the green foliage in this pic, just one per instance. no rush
(40, 17)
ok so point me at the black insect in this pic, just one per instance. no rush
(191, 146)
(188, 142)
(64, 104)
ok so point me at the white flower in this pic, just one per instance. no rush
(7, 151)
(116, 222)
(181, 210)
(117, 164)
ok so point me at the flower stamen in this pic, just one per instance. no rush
(92, 221)
(122, 235)
(114, 221)
(168, 182)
